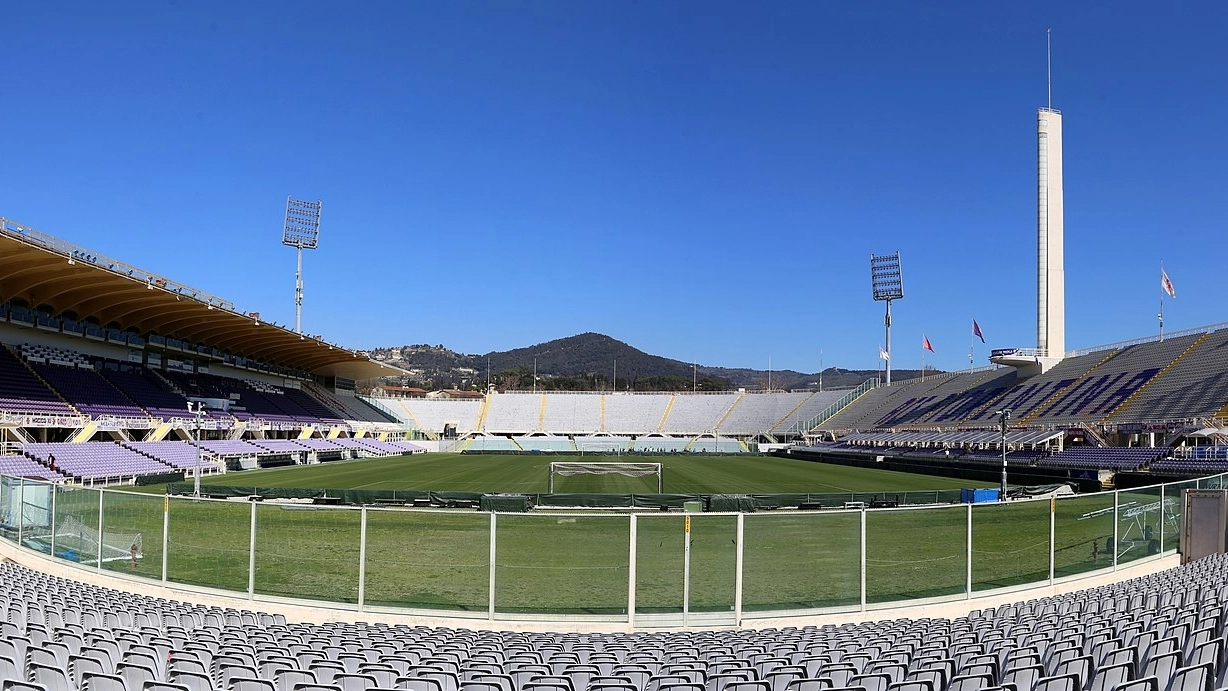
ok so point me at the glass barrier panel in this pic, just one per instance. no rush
(659, 548)
(1174, 507)
(801, 560)
(35, 499)
(916, 553)
(208, 542)
(714, 562)
(1138, 513)
(307, 551)
(428, 559)
(8, 506)
(1082, 534)
(75, 508)
(131, 533)
(1010, 543)
(561, 564)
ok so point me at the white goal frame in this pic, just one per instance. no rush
(611, 468)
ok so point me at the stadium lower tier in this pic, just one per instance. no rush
(119, 462)
(1165, 630)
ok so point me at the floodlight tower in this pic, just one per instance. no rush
(888, 283)
(302, 231)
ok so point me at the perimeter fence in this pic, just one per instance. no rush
(653, 568)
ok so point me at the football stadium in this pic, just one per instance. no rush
(155, 435)
(195, 498)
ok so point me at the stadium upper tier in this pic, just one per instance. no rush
(56, 286)
(1177, 379)
(50, 386)
(733, 414)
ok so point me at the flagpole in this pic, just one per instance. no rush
(1162, 288)
(971, 350)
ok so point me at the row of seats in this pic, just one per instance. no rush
(123, 460)
(58, 381)
(1164, 632)
(590, 413)
(1172, 379)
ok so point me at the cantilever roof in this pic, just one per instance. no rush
(45, 271)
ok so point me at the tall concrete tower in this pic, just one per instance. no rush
(1050, 230)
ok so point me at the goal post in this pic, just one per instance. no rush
(574, 468)
(74, 537)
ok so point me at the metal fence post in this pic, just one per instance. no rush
(362, 557)
(737, 578)
(251, 555)
(53, 500)
(1116, 519)
(863, 560)
(1052, 537)
(490, 609)
(632, 555)
(101, 537)
(21, 513)
(1163, 518)
(166, 532)
(686, 568)
(968, 579)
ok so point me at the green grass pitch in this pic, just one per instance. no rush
(579, 562)
(682, 474)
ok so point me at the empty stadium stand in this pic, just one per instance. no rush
(95, 460)
(21, 390)
(1163, 631)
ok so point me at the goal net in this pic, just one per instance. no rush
(72, 537)
(572, 469)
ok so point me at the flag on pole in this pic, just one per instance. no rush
(1167, 285)
(882, 354)
(925, 343)
(976, 331)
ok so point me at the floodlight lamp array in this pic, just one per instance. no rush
(886, 277)
(302, 224)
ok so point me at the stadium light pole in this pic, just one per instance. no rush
(888, 283)
(1004, 418)
(197, 408)
(302, 232)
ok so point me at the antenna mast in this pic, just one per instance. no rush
(1049, 64)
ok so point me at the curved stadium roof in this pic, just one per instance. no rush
(47, 272)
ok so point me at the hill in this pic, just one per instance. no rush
(587, 362)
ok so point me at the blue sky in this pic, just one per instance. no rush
(703, 180)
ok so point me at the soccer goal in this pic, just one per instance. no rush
(72, 537)
(575, 468)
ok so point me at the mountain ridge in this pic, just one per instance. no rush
(589, 362)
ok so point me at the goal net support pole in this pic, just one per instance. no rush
(572, 468)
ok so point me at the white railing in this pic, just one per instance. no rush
(801, 428)
(1147, 339)
(30, 418)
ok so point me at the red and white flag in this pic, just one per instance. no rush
(976, 331)
(882, 354)
(925, 343)
(1167, 285)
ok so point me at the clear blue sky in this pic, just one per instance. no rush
(704, 180)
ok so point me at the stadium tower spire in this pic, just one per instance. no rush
(1050, 227)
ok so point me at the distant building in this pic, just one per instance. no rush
(399, 391)
(455, 393)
